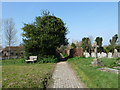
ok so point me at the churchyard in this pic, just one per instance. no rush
(16, 73)
(59, 63)
(91, 76)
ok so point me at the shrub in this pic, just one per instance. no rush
(47, 59)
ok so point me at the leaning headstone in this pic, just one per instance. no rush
(109, 55)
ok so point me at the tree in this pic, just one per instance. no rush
(73, 45)
(113, 40)
(99, 43)
(112, 45)
(86, 44)
(10, 33)
(44, 36)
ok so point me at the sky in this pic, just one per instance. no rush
(83, 19)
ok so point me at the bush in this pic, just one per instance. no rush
(13, 61)
(47, 59)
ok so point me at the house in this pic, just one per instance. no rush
(12, 52)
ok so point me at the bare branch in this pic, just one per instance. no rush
(10, 32)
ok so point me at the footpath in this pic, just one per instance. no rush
(64, 77)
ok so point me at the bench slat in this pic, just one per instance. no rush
(32, 58)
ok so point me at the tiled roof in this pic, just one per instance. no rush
(13, 48)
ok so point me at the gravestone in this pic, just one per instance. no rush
(92, 54)
(102, 55)
(98, 55)
(86, 54)
(116, 53)
(109, 55)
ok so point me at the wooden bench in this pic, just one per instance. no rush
(32, 59)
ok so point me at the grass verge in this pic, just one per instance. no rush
(22, 75)
(91, 76)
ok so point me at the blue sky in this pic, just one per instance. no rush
(83, 19)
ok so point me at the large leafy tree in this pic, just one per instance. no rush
(86, 44)
(44, 36)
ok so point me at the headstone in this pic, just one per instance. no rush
(115, 54)
(118, 54)
(109, 55)
(92, 54)
(86, 54)
(102, 55)
(98, 55)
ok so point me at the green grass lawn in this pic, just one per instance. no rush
(92, 77)
(17, 74)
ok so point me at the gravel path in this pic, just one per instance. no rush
(64, 77)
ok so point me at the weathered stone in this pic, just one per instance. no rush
(86, 54)
(109, 55)
(98, 55)
(109, 70)
(92, 54)
(97, 62)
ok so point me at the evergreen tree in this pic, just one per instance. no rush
(42, 37)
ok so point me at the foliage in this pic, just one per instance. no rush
(62, 48)
(86, 44)
(12, 61)
(118, 48)
(44, 36)
(113, 40)
(47, 59)
(109, 62)
(27, 76)
(108, 49)
(73, 45)
(99, 43)
(112, 46)
(92, 77)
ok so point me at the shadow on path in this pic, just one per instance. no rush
(64, 59)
